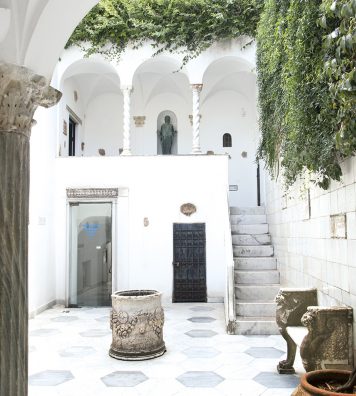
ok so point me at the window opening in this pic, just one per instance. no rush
(227, 140)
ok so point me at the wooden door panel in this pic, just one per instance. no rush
(189, 262)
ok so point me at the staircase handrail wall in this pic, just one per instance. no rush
(230, 314)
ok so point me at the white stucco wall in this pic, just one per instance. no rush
(308, 254)
(42, 265)
(157, 187)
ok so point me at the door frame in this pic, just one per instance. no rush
(114, 254)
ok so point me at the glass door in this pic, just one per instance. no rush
(90, 254)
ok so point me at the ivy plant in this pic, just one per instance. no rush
(173, 25)
(306, 76)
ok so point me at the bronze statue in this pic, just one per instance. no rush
(166, 135)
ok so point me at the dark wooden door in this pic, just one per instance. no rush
(189, 263)
(72, 138)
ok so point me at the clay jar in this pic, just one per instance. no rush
(309, 381)
(137, 319)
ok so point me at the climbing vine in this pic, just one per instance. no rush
(306, 60)
(173, 25)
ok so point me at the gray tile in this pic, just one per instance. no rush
(50, 378)
(200, 379)
(77, 351)
(201, 352)
(264, 352)
(64, 319)
(103, 319)
(202, 319)
(124, 378)
(44, 332)
(202, 309)
(95, 333)
(201, 333)
(274, 380)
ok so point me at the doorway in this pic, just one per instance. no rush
(90, 254)
(72, 137)
(189, 263)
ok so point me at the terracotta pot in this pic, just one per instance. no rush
(137, 320)
(308, 382)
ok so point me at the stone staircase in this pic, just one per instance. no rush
(256, 274)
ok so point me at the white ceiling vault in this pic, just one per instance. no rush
(222, 68)
(34, 32)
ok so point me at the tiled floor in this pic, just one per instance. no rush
(69, 357)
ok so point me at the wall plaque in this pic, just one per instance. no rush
(188, 209)
(338, 226)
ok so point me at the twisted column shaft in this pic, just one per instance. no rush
(127, 108)
(196, 89)
(21, 91)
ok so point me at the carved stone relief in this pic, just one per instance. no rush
(188, 209)
(92, 192)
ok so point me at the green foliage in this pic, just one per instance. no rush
(173, 25)
(340, 66)
(306, 76)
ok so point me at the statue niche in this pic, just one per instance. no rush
(166, 133)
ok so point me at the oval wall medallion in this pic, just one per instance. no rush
(188, 209)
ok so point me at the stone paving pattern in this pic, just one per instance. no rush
(69, 356)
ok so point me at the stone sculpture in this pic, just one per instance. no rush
(328, 340)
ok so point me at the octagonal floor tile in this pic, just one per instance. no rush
(103, 319)
(202, 309)
(266, 353)
(44, 332)
(95, 333)
(77, 351)
(201, 333)
(50, 378)
(124, 378)
(274, 380)
(201, 319)
(200, 379)
(64, 319)
(201, 352)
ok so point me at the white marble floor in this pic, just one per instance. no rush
(69, 357)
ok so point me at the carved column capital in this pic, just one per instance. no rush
(197, 87)
(21, 92)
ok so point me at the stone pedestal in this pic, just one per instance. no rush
(137, 320)
(21, 91)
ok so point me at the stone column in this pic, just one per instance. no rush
(127, 90)
(21, 92)
(196, 88)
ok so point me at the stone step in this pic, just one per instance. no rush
(260, 277)
(248, 219)
(243, 240)
(255, 308)
(256, 292)
(255, 263)
(256, 326)
(253, 251)
(253, 210)
(252, 229)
